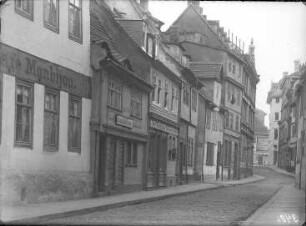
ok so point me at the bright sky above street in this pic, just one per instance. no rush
(278, 29)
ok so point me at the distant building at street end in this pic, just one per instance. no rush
(206, 41)
(275, 102)
(261, 140)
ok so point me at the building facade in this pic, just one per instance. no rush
(211, 75)
(164, 102)
(275, 101)
(300, 99)
(121, 91)
(45, 138)
(261, 140)
(206, 41)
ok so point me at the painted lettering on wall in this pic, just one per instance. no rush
(25, 66)
(163, 127)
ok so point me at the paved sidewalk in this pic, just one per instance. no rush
(286, 207)
(46, 211)
(279, 170)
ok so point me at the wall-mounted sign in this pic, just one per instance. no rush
(122, 121)
(26, 66)
(163, 127)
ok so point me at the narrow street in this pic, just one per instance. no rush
(216, 206)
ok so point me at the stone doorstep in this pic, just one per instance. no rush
(115, 202)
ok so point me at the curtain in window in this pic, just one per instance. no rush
(75, 18)
(23, 114)
(51, 12)
(75, 124)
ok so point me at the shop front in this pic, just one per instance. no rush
(161, 171)
(120, 161)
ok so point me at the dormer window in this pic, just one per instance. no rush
(150, 45)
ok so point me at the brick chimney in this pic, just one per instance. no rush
(196, 4)
(297, 65)
(144, 4)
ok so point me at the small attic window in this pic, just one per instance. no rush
(126, 64)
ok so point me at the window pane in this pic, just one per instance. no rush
(135, 153)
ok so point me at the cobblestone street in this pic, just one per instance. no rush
(216, 206)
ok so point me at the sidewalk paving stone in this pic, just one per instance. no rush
(286, 207)
(44, 211)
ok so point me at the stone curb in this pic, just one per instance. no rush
(86, 210)
(278, 170)
(251, 220)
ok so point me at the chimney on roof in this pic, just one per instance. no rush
(196, 4)
(297, 65)
(144, 4)
(285, 73)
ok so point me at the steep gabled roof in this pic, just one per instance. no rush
(98, 35)
(134, 29)
(194, 25)
(206, 70)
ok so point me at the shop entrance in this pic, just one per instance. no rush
(157, 160)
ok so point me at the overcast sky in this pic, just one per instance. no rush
(278, 29)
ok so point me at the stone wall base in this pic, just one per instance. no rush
(42, 186)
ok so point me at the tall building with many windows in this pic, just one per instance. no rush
(275, 101)
(205, 41)
(46, 78)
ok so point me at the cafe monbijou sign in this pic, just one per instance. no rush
(28, 67)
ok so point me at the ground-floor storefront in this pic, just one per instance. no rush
(287, 157)
(231, 157)
(260, 159)
(162, 154)
(120, 163)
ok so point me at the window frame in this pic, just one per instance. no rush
(276, 118)
(210, 161)
(23, 13)
(276, 134)
(131, 149)
(190, 152)
(70, 148)
(49, 147)
(166, 96)
(71, 36)
(47, 24)
(154, 83)
(1, 104)
(113, 90)
(277, 100)
(236, 119)
(138, 102)
(159, 89)
(208, 119)
(24, 143)
(194, 99)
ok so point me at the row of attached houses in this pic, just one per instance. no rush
(105, 103)
(288, 136)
